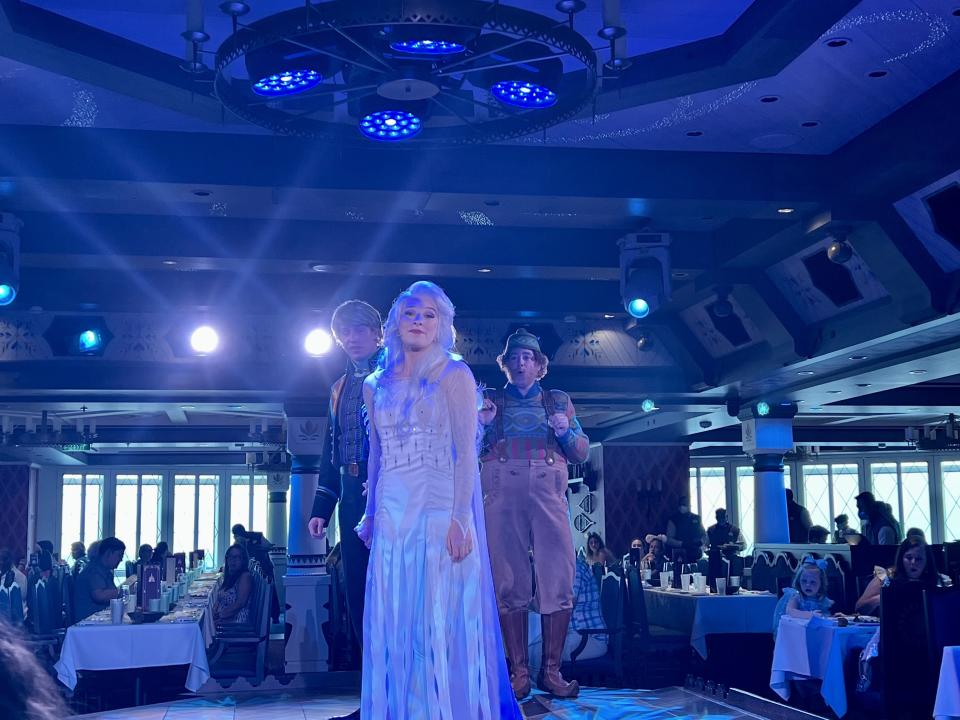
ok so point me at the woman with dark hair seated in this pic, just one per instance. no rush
(914, 564)
(233, 596)
(597, 552)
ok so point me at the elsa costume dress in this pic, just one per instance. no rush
(432, 645)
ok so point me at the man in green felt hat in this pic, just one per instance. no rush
(530, 434)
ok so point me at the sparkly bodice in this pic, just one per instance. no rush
(412, 434)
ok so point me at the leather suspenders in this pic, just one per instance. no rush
(549, 407)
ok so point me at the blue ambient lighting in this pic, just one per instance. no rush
(286, 83)
(648, 405)
(427, 47)
(763, 408)
(89, 341)
(523, 94)
(390, 125)
(638, 307)
(7, 294)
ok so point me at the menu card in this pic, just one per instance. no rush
(148, 584)
(181, 559)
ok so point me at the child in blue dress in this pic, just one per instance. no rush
(808, 596)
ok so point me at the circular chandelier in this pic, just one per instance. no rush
(435, 71)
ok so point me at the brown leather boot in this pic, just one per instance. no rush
(554, 635)
(514, 626)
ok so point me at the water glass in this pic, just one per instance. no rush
(721, 586)
(685, 582)
(664, 580)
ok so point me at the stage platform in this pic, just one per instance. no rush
(593, 704)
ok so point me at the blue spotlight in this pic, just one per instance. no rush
(427, 47)
(763, 408)
(523, 94)
(288, 82)
(638, 307)
(89, 341)
(7, 294)
(390, 125)
(648, 405)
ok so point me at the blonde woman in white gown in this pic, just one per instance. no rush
(431, 634)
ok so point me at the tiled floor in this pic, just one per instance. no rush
(593, 704)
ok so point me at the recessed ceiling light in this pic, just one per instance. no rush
(484, 270)
(864, 384)
(816, 408)
(837, 42)
(188, 407)
(680, 274)
(609, 316)
(786, 210)
(858, 357)
(805, 372)
(236, 407)
(169, 262)
(810, 123)
(695, 133)
(918, 372)
(834, 392)
(202, 193)
(769, 98)
(877, 73)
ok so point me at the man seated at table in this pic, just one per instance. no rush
(95, 586)
(586, 616)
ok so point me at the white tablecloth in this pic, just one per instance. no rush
(180, 638)
(703, 615)
(816, 648)
(948, 691)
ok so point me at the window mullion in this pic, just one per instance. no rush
(196, 511)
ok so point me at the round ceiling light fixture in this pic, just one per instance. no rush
(440, 66)
(390, 125)
(427, 47)
(289, 82)
(523, 94)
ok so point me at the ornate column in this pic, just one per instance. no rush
(306, 581)
(278, 483)
(767, 436)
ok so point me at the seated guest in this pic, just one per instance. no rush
(724, 536)
(144, 554)
(914, 564)
(95, 587)
(233, 597)
(586, 616)
(239, 534)
(27, 690)
(636, 553)
(808, 596)
(597, 552)
(160, 553)
(93, 550)
(79, 554)
(818, 535)
(657, 554)
(843, 530)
